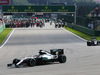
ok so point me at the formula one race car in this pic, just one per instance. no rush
(55, 55)
(93, 42)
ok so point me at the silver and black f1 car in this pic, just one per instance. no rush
(93, 42)
(55, 55)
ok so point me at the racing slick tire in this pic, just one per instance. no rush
(15, 61)
(59, 26)
(41, 26)
(56, 26)
(89, 43)
(98, 43)
(62, 25)
(62, 58)
(31, 62)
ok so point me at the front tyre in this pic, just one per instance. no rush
(88, 43)
(62, 58)
(15, 61)
(31, 62)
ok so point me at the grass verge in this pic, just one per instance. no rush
(82, 35)
(4, 34)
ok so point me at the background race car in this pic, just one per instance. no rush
(93, 42)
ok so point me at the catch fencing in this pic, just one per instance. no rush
(2, 28)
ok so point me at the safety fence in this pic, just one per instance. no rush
(84, 29)
(82, 24)
(82, 21)
(2, 28)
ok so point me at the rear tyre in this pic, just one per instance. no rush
(88, 43)
(97, 42)
(62, 58)
(31, 62)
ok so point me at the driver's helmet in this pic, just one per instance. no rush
(42, 52)
(94, 39)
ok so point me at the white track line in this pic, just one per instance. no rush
(74, 34)
(7, 38)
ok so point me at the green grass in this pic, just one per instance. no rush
(4, 34)
(82, 35)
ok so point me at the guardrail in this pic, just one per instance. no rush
(84, 29)
(2, 28)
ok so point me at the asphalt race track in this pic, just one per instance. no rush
(81, 59)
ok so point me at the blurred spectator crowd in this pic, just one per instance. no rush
(95, 12)
(18, 23)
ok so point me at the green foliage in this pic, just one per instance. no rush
(80, 34)
(4, 34)
(70, 2)
(85, 6)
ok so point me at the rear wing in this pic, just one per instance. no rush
(92, 38)
(55, 51)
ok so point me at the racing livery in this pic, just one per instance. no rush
(55, 55)
(93, 42)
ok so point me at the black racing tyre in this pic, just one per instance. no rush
(15, 61)
(59, 26)
(55, 26)
(97, 42)
(89, 43)
(62, 25)
(31, 62)
(62, 58)
(41, 26)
